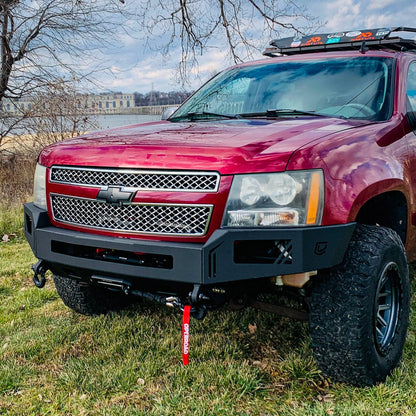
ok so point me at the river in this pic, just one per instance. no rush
(109, 121)
(102, 122)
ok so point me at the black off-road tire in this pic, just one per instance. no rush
(89, 300)
(360, 309)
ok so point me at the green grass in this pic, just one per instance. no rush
(56, 362)
(11, 221)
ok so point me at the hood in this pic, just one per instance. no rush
(229, 147)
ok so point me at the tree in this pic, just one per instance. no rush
(57, 112)
(44, 40)
(160, 98)
(54, 113)
(43, 37)
(243, 26)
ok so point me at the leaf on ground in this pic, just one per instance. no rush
(252, 328)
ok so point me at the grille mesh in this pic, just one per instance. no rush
(175, 181)
(137, 218)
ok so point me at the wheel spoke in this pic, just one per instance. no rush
(384, 294)
(381, 320)
(380, 332)
(387, 308)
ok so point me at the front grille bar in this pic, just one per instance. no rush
(146, 180)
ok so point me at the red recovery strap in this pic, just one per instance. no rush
(185, 334)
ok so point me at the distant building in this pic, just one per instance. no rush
(107, 103)
(16, 106)
(89, 103)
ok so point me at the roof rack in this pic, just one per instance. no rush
(352, 40)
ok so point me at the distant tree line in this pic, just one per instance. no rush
(160, 98)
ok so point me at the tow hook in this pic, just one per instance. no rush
(197, 311)
(40, 268)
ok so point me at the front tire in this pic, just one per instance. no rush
(89, 300)
(360, 309)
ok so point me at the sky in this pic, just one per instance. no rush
(133, 67)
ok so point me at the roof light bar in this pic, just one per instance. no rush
(373, 38)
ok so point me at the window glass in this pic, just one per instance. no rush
(411, 87)
(348, 88)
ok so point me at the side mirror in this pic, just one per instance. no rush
(411, 117)
(167, 112)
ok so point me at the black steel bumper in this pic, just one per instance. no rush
(229, 254)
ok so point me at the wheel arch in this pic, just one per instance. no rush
(388, 209)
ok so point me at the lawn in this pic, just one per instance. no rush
(56, 362)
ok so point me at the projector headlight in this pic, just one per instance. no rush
(39, 187)
(275, 199)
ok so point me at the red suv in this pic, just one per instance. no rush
(294, 176)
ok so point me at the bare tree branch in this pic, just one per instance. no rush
(41, 41)
(194, 26)
(44, 40)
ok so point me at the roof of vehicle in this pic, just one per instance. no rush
(339, 41)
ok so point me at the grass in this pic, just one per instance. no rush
(56, 362)
(16, 178)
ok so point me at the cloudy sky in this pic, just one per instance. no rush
(137, 68)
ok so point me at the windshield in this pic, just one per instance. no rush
(356, 88)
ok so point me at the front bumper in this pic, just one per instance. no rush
(229, 255)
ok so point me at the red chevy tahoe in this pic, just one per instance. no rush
(294, 175)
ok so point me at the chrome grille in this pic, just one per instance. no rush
(144, 180)
(136, 218)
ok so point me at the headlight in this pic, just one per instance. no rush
(282, 189)
(275, 199)
(39, 187)
(250, 191)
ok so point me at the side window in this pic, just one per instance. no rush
(411, 93)
(411, 86)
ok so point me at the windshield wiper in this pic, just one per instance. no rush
(198, 115)
(283, 112)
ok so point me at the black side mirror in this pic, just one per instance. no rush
(411, 117)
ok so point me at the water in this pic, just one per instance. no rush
(109, 121)
(99, 122)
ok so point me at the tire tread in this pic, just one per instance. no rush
(341, 318)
